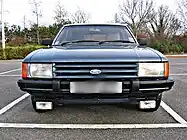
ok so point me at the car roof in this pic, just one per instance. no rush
(96, 24)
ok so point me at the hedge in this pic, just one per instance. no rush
(17, 52)
(22, 51)
(168, 47)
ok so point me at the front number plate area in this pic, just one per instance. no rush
(96, 87)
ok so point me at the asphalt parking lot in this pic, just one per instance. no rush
(19, 121)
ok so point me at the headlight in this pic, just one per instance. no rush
(153, 70)
(40, 70)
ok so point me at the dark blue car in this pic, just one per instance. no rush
(95, 63)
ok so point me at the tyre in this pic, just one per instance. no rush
(158, 101)
(34, 100)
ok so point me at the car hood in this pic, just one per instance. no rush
(126, 54)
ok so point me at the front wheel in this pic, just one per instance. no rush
(157, 104)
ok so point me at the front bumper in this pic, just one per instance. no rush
(59, 91)
(61, 88)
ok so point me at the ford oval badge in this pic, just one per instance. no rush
(95, 72)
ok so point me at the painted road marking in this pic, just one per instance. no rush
(173, 64)
(9, 71)
(179, 74)
(90, 126)
(19, 60)
(12, 104)
(182, 123)
(176, 116)
(10, 75)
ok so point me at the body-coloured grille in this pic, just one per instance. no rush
(81, 70)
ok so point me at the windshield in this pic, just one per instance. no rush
(93, 33)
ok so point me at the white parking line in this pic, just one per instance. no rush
(179, 74)
(10, 75)
(176, 116)
(12, 104)
(16, 60)
(90, 126)
(173, 64)
(182, 123)
(9, 71)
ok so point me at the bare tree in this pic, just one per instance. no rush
(137, 12)
(37, 12)
(61, 15)
(182, 10)
(164, 23)
(116, 18)
(80, 16)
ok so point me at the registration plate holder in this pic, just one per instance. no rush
(96, 87)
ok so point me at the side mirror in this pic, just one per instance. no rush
(142, 41)
(47, 42)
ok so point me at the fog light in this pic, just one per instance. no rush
(147, 104)
(44, 105)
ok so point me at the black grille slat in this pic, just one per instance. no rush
(98, 66)
(81, 70)
(97, 77)
(88, 71)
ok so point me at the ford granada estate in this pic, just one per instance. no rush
(95, 64)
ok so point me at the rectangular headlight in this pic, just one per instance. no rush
(40, 70)
(151, 70)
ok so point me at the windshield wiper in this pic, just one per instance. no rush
(100, 42)
(76, 41)
(64, 43)
(121, 41)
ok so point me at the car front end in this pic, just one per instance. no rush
(95, 82)
(94, 75)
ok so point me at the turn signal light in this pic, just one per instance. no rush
(166, 69)
(24, 70)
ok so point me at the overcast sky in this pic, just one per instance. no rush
(100, 10)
